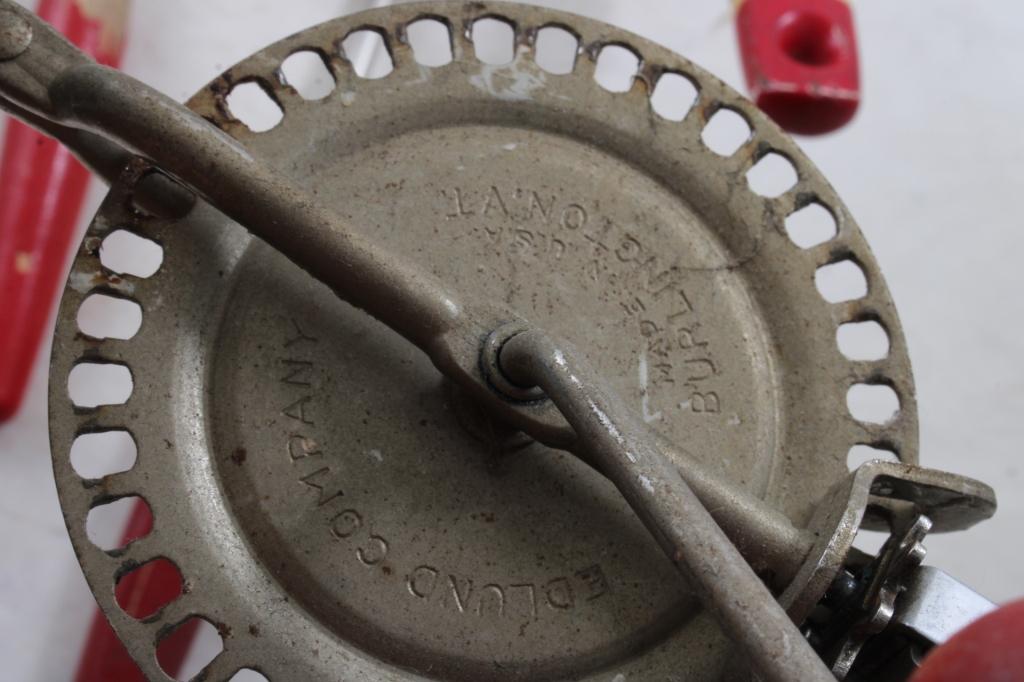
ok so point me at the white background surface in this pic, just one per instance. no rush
(932, 168)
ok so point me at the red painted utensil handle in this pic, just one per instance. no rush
(800, 61)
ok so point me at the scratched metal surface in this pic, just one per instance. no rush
(333, 507)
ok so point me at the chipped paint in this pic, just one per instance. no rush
(508, 81)
(645, 405)
(424, 75)
(80, 282)
(85, 282)
(23, 262)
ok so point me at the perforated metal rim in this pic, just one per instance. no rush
(218, 593)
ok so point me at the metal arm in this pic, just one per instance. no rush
(107, 117)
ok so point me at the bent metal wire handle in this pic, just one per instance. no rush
(50, 84)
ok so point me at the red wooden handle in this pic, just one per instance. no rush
(800, 61)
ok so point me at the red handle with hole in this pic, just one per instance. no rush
(800, 61)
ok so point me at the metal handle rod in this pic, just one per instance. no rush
(47, 77)
(624, 451)
(159, 195)
(767, 537)
(51, 86)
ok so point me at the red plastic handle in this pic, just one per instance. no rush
(800, 60)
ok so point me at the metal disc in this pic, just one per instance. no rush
(337, 510)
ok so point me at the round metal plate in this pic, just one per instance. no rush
(334, 507)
